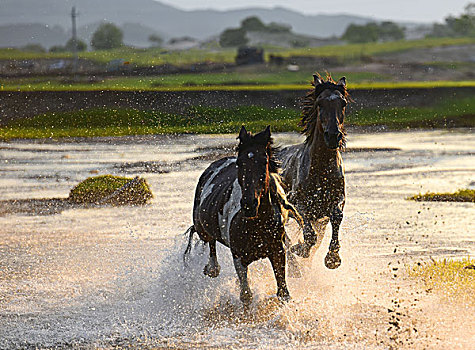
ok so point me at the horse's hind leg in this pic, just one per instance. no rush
(241, 270)
(212, 268)
(293, 267)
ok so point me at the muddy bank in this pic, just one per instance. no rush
(19, 104)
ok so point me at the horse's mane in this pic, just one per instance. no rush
(309, 110)
(274, 164)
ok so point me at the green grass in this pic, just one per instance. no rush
(112, 122)
(458, 110)
(157, 56)
(450, 277)
(355, 51)
(463, 195)
(97, 188)
(218, 82)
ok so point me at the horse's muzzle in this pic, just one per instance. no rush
(332, 140)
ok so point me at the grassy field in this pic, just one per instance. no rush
(449, 277)
(157, 56)
(456, 111)
(227, 81)
(111, 122)
(219, 82)
(463, 195)
(353, 51)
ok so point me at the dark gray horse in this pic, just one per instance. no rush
(313, 171)
(239, 202)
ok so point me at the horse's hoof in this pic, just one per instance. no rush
(212, 271)
(332, 260)
(301, 249)
(283, 297)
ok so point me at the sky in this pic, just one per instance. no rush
(400, 10)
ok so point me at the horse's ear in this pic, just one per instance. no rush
(263, 138)
(267, 133)
(317, 80)
(243, 135)
(342, 82)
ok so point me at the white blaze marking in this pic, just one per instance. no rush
(208, 186)
(333, 97)
(230, 209)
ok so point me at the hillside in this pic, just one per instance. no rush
(163, 19)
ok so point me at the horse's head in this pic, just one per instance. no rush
(253, 167)
(330, 102)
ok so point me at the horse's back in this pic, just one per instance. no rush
(213, 194)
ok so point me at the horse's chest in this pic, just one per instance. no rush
(321, 194)
(256, 239)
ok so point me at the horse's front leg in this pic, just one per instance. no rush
(332, 259)
(212, 268)
(277, 259)
(302, 249)
(241, 270)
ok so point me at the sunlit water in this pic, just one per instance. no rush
(114, 276)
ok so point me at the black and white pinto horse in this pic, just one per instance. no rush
(312, 172)
(239, 202)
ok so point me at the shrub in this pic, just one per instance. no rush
(97, 189)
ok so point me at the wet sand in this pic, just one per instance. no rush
(113, 276)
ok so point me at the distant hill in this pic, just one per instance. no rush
(154, 17)
(32, 33)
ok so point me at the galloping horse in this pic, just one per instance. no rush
(313, 171)
(239, 202)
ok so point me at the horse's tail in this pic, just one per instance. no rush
(190, 231)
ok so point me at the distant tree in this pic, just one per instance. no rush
(252, 24)
(457, 26)
(237, 36)
(107, 36)
(80, 45)
(155, 39)
(361, 33)
(390, 31)
(233, 37)
(371, 32)
(278, 28)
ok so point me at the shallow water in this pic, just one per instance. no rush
(113, 276)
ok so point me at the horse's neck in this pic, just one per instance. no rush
(320, 155)
(266, 199)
